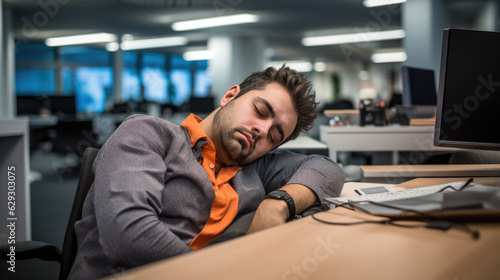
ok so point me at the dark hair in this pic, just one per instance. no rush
(297, 85)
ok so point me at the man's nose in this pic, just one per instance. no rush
(262, 127)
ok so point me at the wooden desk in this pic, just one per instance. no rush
(308, 249)
(418, 139)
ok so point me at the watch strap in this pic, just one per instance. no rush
(283, 195)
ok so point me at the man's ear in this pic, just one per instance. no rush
(229, 95)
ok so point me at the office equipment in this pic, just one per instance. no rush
(65, 104)
(307, 249)
(371, 190)
(419, 86)
(406, 113)
(202, 104)
(468, 97)
(388, 196)
(35, 249)
(438, 202)
(31, 105)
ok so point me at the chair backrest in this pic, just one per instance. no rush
(84, 183)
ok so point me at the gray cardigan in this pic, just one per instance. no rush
(151, 197)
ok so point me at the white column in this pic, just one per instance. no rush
(234, 59)
(117, 75)
(424, 21)
(7, 96)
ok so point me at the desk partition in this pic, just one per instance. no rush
(15, 212)
(395, 138)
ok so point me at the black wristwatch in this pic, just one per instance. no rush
(283, 195)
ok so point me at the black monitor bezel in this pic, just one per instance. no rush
(439, 107)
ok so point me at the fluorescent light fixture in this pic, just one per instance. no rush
(376, 3)
(80, 39)
(198, 55)
(353, 38)
(389, 57)
(112, 47)
(153, 43)
(215, 21)
(319, 66)
(297, 65)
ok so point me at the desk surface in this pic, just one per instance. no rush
(308, 249)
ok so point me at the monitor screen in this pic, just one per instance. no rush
(419, 86)
(468, 108)
(29, 105)
(65, 104)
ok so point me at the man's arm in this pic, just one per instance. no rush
(272, 212)
(307, 179)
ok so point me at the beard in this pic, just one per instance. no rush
(231, 146)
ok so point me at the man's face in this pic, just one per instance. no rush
(250, 126)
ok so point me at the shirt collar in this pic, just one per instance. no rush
(193, 128)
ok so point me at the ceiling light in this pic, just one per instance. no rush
(198, 55)
(112, 47)
(319, 67)
(353, 38)
(389, 57)
(215, 21)
(300, 66)
(376, 3)
(153, 43)
(80, 39)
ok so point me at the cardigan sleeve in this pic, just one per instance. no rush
(319, 173)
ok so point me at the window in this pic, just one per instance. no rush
(154, 81)
(87, 74)
(181, 86)
(92, 88)
(203, 83)
(35, 81)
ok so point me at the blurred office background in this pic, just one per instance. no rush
(77, 93)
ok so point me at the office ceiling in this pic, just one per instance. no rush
(283, 22)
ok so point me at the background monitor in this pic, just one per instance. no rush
(468, 107)
(419, 86)
(30, 105)
(202, 104)
(65, 104)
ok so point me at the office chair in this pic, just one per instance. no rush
(45, 251)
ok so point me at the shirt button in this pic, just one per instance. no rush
(212, 165)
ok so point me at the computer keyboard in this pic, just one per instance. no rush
(408, 193)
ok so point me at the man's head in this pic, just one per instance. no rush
(266, 110)
(299, 88)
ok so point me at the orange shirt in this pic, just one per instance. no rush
(225, 204)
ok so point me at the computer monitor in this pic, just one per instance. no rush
(29, 105)
(65, 104)
(468, 107)
(419, 86)
(202, 104)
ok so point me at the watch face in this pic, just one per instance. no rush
(277, 194)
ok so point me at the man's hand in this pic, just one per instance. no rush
(273, 212)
